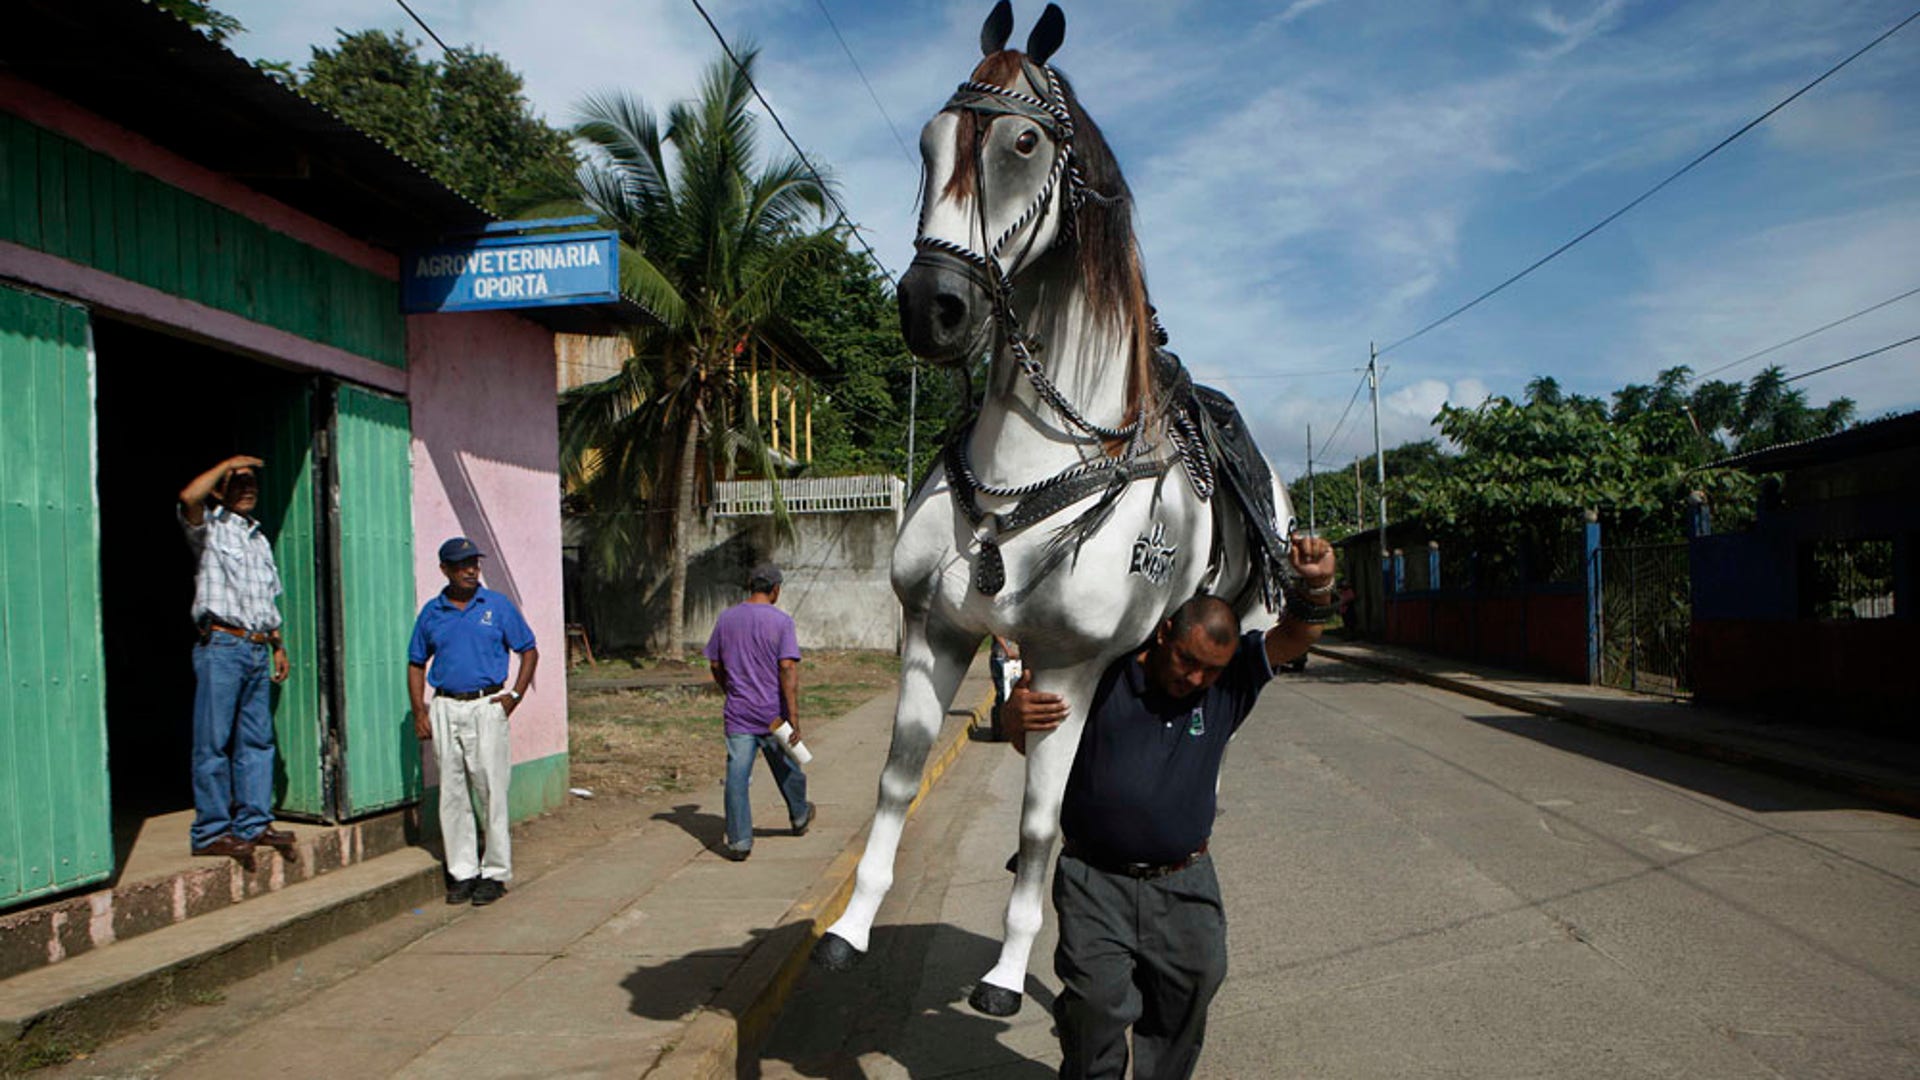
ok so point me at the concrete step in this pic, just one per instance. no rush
(161, 884)
(55, 1010)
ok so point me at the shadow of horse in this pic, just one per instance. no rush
(905, 1007)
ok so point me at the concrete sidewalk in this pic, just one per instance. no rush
(1881, 770)
(648, 955)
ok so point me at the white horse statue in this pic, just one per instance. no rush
(1026, 247)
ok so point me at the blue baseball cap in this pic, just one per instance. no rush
(459, 549)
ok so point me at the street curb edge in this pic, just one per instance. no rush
(743, 1012)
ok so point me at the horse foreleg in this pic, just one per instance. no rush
(1049, 762)
(930, 674)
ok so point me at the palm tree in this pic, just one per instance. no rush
(708, 247)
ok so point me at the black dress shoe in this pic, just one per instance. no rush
(228, 845)
(487, 891)
(800, 827)
(460, 892)
(734, 854)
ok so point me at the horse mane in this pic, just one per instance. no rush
(1106, 252)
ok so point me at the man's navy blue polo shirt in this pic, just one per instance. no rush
(468, 648)
(1142, 786)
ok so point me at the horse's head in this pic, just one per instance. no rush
(1000, 187)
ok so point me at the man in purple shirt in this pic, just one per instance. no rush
(756, 660)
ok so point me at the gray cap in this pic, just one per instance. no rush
(764, 578)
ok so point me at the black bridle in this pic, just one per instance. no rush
(990, 101)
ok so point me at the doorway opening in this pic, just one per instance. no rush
(168, 409)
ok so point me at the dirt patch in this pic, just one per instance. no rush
(654, 740)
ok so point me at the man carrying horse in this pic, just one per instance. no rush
(1143, 936)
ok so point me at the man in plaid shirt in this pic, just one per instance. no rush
(240, 653)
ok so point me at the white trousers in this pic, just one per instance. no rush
(471, 744)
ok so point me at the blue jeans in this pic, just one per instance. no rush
(232, 739)
(793, 785)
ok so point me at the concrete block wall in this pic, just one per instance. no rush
(838, 587)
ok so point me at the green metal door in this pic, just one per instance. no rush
(55, 825)
(373, 500)
(282, 435)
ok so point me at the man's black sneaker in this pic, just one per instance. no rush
(459, 892)
(734, 854)
(487, 891)
(800, 827)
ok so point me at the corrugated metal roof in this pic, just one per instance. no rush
(147, 71)
(1879, 436)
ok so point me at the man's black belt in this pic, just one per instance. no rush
(470, 695)
(1142, 871)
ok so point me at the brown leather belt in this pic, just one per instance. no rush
(255, 636)
(1141, 871)
(470, 695)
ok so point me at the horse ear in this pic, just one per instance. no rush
(1047, 34)
(997, 29)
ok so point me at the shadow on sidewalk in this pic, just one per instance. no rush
(1730, 782)
(832, 1020)
(906, 1002)
(711, 829)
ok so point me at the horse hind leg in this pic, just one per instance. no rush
(929, 676)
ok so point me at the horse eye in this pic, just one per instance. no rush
(1027, 141)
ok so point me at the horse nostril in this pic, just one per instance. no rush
(949, 311)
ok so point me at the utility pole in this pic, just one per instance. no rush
(913, 414)
(1313, 525)
(1379, 456)
(1359, 512)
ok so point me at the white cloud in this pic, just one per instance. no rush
(1571, 33)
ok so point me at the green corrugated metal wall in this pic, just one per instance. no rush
(54, 827)
(61, 198)
(284, 439)
(374, 466)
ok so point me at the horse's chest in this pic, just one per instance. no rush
(1116, 584)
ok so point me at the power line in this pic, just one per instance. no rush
(1342, 422)
(423, 26)
(1650, 192)
(1805, 336)
(845, 217)
(1223, 376)
(1851, 359)
(831, 25)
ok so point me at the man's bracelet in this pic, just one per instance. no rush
(1301, 607)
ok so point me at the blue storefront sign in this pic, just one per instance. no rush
(493, 272)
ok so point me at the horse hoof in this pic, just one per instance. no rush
(994, 1000)
(833, 953)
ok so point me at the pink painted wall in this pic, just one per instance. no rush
(486, 465)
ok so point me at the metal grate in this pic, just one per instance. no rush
(1646, 618)
(812, 495)
(1847, 579)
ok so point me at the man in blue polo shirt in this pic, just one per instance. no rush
(466, 632)
(1143, 934)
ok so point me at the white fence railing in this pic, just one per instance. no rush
(811, 495)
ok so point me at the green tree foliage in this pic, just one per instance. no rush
(1516, 477)
(464, 118)
(204, 17)
(1334, 509)
(710, 245)
(846, 309)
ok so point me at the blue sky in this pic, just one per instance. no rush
(1314, 174)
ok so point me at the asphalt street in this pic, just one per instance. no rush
(1420, 884)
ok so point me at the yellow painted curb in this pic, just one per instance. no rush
(709, 1046)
